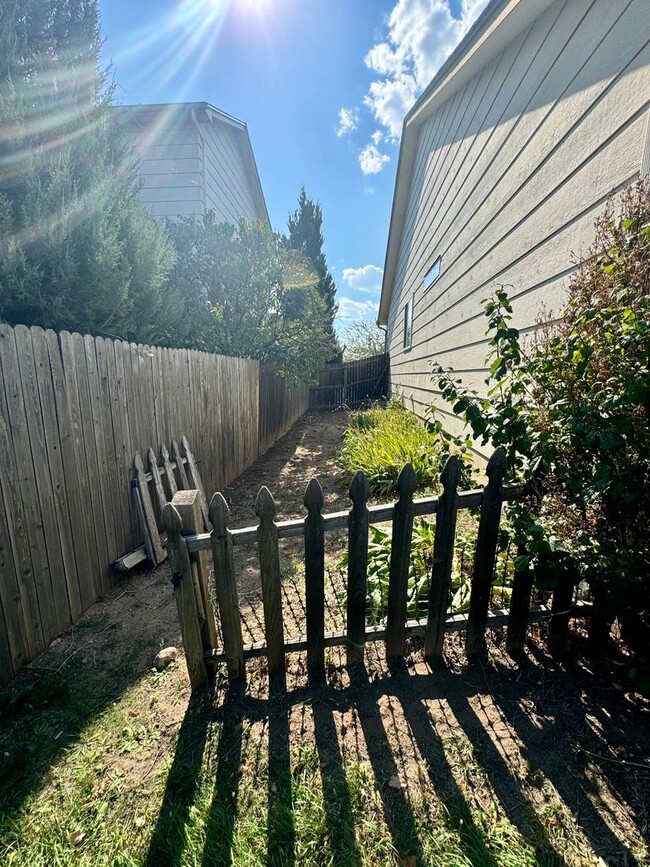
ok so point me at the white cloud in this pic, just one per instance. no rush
(354, 311)
(348, 120)
(377, 137)
(371, 160)
(421, 35)
(364, 279)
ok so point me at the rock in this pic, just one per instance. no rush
(165, 657)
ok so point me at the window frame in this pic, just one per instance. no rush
(428, 283)
(407, 338)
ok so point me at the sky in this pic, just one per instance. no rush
(323, 86)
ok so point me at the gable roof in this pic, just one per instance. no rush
(498, 24)
(165, 115)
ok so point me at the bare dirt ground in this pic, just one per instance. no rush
(558, 746)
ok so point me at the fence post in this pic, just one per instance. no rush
(400, 557)
(267, 544)
(315, 578)
(357, 569)
(443, 556)
(485, 554)
(188, 506)
(558, 627)
(181, 572)
(226, 587)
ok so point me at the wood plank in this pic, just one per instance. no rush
(225, 580)
(267, 545)
(485, 554)
(194, 477)
(561, 606)
(443, 557)
(50, 381)
(159, 491)
(357, 569)
(145, 510)
(180, 467)
(181, 569)
(170, 479)
(315, 579)
(522, 588)
(103, 349)
(187, 504)
(57, 618)
(400, 557)
(115, 397)
(103, 480)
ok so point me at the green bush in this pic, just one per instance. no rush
(380, 441)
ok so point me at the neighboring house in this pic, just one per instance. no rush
(194, 158)
(537, 117)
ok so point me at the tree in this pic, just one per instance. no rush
(305, 237)
(362, 340)
(77, 248)
(247, 294)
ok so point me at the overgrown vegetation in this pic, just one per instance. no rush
(362, 340)
(380, 441)
(573, 411)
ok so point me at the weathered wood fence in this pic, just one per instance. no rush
(351, 383)
(188, 545)
(73, 412)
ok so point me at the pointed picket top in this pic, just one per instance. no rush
(450, 476)
(219, 514)
(171, 520)
(151, 458)
(407, 482)
(180, 466)
(497, 466)
(164, 453)
(358, 490)
(314, 499)
(265, 508)
(137, 463)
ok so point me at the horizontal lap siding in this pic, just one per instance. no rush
(510, 174)
(227, 181)
(73, 411)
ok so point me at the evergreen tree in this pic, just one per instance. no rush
(77, 248)
(306, 237)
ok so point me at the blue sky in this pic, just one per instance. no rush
(323, 86)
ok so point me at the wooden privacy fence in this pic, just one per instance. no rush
(188, 545)
(73, 412)
(352, 383)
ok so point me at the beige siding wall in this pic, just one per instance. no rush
(227, 185)
(510, 173)
(170, 171)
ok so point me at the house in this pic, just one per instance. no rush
(194, 158)
(539, 115)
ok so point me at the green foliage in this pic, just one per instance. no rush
(247, 294)
(572, 411)
(380, 441)
(77, 248)
(306, 239)
(362, 340)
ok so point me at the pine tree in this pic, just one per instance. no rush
(77, 248)
(306, 237)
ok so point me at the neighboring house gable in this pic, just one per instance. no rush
(539, 115)
(195, 158)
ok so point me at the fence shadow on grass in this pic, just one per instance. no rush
(484, 706)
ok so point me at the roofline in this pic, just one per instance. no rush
(215, 114)
(499, 22)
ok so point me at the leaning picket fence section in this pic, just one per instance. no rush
(188, 545)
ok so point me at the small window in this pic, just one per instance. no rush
(408, 323)
(432, 274)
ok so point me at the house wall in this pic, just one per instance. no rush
(509, 176)
(171, 171)
(227, 181)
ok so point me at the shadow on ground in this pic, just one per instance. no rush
(543, 736)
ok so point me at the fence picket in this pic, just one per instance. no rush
(194, 478)
(181, 570)
(558, 627)
(161, 497)
(315, 578)
(267, 544)
(188, 506)
(357, 569)
(172, 487)
(443, 556)
(226, 586)
(180, 466)
(145, 510)
(400, 555)
(522, 587)
(485, 554)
